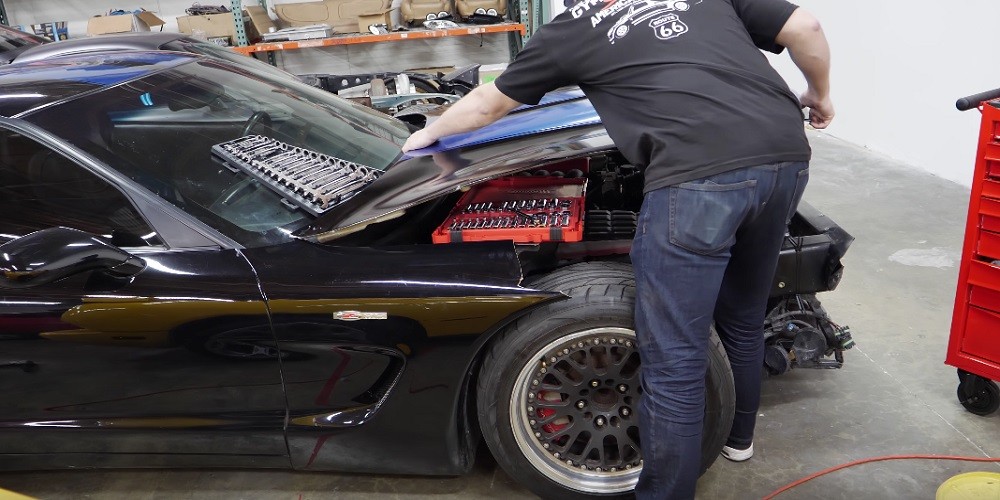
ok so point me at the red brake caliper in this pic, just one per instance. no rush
(543, 413)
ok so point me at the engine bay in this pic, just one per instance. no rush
(592, 198)
(587, 209)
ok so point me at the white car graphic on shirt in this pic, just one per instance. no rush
(641, 11)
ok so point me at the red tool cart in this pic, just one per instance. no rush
(974, 346)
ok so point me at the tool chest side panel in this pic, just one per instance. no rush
(974, 344)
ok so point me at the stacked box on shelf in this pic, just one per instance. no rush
(53, 31)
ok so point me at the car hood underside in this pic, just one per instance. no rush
(562, 127)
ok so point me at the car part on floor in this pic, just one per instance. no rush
(799, 333)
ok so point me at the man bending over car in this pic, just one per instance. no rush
(685, 94)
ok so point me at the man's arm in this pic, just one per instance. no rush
(804, 38)
(481, 107)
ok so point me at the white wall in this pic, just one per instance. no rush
(899, 66)
(76, 12)
(393, 56)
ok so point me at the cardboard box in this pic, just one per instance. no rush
(383, 17)
(341, 15)
(216, 25)
(143, 21)
(51, 30)
(260, 22)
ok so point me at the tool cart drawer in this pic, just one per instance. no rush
(989, 245)
(985, 297)
(991, 186)
(993, 168)
(989, 214)
(984, 274)
(985, 343)
(984, 285)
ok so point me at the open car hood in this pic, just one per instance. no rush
(563, 126)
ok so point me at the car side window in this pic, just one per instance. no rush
(41, 188)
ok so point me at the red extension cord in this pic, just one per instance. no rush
(875, 459)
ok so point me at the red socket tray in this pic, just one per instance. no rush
(521, 209)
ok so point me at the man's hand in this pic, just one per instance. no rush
(419, 140)
(820, 109)
(481, 107)
(807, 44)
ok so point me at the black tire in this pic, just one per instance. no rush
(978, 395)
(594, 330)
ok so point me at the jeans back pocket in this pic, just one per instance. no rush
(801, 179)
(704, 216)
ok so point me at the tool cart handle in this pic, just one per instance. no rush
(972, 101)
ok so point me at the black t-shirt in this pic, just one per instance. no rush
(681, 85)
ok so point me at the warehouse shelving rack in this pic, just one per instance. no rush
(531, 11)
(515, 31)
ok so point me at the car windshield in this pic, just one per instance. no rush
(213, 50)
(160, 131)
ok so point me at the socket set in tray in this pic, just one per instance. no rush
(306, 179)
(521, 209)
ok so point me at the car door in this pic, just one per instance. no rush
(170, 363)
(377, 346)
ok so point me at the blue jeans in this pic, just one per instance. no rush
(704, 251)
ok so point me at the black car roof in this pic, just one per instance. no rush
(25, 87)
(126, 41)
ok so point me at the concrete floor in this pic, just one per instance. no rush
(894, 395)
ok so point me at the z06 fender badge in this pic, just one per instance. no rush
(356, 315)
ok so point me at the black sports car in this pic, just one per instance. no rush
(177, 42)
(207, 266)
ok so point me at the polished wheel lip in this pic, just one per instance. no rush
(573, 478)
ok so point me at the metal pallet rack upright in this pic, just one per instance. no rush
(236, 6)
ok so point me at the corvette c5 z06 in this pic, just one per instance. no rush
(206, 267)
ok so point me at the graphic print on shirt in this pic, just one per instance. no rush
(661, 14)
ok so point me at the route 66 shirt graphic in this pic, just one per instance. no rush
(661, 17)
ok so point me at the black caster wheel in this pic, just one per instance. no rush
(977, 394)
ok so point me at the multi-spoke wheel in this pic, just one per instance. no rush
(558, 392)
(573, 409)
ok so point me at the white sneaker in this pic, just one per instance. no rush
(737, 455)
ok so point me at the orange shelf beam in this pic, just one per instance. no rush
(390, 37)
